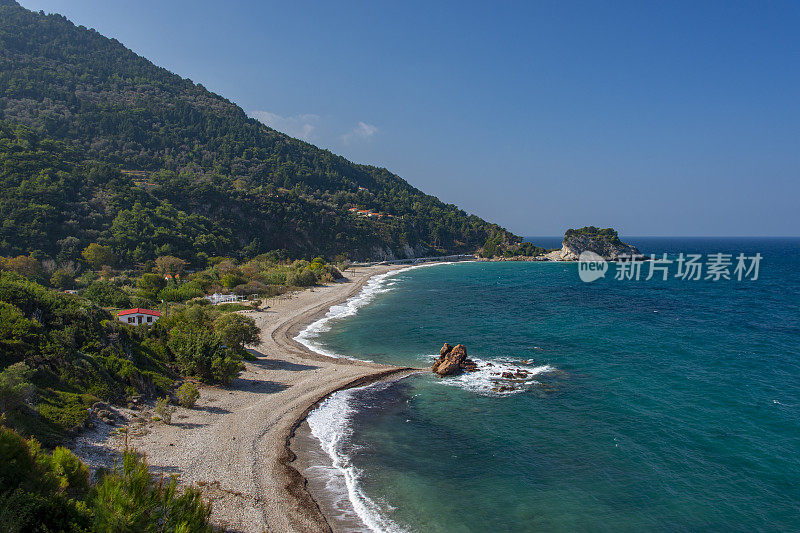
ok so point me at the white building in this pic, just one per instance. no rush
(138, 316)
(218, 298)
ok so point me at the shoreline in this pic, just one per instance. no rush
(235, 443)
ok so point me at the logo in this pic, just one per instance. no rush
(591, 266)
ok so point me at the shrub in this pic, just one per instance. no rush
(251, 287)
(188, 394)
(190, 290)
(107, 294)
(231, 280)
(86, 279)
(199, 352)
(150, 284)
(130, 499)
(15, 390)
(62, 280)
(164, 410)
(232, 306)
(72, 474)
(237, 330)
(335, 272)
(39, 492)
(180, 293)
(224, 369)
(274, 277)
(17, 333)
(170, 294)
(301, 278)
(51, 492)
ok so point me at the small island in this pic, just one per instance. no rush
(604, 242)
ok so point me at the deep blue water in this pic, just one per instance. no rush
(655, 405)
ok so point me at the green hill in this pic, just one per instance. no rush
(100, 145)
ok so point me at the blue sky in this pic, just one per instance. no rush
(657, 118)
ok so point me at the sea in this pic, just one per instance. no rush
(644, 404)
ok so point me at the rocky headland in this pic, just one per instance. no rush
(604, 242)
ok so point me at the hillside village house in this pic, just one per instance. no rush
(138, 316)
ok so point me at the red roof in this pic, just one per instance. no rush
(139, 310)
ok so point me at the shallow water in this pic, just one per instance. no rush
(649, 405)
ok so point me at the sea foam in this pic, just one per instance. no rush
(487, 379)
(377, 284)
(331, 424)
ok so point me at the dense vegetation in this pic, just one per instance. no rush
(131, 187)
(61, 353)
(498, 245)
(41, 491)
(117, 151)
(71, 353)
(606, 234)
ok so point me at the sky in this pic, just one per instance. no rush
(655, 118)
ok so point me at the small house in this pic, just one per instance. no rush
(138, 316)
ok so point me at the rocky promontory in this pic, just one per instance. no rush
(453, 360)
(604, 242)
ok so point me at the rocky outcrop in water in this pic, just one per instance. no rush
(604, 242)
(453, 360)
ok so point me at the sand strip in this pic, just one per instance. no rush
(234, 443)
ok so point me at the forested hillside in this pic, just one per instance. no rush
(99, 145)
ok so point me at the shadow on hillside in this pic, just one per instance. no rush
(257, 385)
(188, 425)
(280, 364)
(158, 471)
(211, 409)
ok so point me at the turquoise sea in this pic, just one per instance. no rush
(650, 406)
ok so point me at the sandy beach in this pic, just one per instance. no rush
(234, 443)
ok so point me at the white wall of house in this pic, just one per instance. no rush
(138, 318)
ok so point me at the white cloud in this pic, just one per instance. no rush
(361, 132)
(300, 126)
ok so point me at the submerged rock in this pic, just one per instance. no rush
(453, 360)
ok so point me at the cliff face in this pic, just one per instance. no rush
(605, 243)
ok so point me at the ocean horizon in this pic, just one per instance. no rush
(645, 405)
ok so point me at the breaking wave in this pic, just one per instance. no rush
(499, 377)
(331, 424)
(377, 284)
